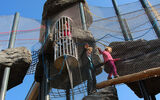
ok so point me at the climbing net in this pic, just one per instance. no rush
(80, 89)
(106, 24)
(34, 63)
(105, 29)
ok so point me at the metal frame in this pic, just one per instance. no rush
(64, 44)
(11, 45)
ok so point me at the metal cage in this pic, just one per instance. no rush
(64, 44)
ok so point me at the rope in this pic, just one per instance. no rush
(140, 25)
(97, 39)
(105, 29)
(46, 69)
(101, 38)
(102, 43)
(102, 18)
(23, 30)
(141, 30)
(105, 41)
(144, 33)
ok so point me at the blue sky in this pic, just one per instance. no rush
(33, 9)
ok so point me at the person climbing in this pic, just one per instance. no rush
(66, 29)
(108, 60)
(91, 80)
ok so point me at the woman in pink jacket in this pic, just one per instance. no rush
(110, 61)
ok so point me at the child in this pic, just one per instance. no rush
(91, 83)
(110, 61)
(66, 29)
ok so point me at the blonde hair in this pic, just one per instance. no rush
(90, 48)
(108, 49)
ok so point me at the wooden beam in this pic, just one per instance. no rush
(154, 72)
(33, 92)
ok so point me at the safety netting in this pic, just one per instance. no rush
(81, 89)
(105, 28)
(27, 35)
(34, 63)
(27, 32)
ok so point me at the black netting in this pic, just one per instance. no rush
(80, 89)
(27, 32)
(106, 29)
(34, 63)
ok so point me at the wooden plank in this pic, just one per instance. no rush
(33, 92)
(154, 72)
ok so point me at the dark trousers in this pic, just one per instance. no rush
(91, 84)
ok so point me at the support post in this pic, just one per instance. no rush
(42, 88)
(45, 83)
(128, 30)
(153, 97)
(157, 31)
(70, 79)
(83, 16)
(48, 23)
(47, 96)
(143, 90)
(14, 30)
(124, 31)
(68, 93)
(151, 18)
(47, 86)
(46, 80)
(11, 45)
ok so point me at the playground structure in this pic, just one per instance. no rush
(63, 51)
(133, 80)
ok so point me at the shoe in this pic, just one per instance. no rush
(94, 91)
(109, 78)
(116, 76)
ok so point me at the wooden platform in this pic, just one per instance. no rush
(60, 62)
(154, 72)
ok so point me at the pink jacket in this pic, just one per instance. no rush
(106, 55)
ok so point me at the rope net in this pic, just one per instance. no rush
(81, 89)
(106, 22)
(34, 63)
(27, 32)
(105, 28)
